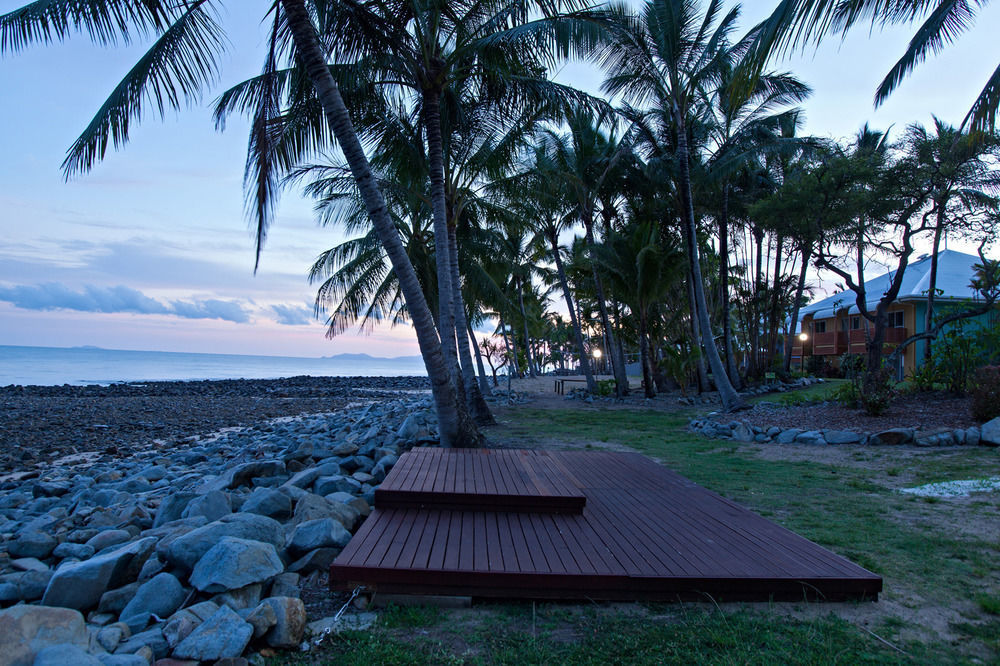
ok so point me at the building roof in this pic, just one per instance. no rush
(953, 276)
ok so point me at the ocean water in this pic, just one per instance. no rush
(50, 366)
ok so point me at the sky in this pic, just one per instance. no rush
(152, 249)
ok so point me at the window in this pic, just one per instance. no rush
(896, 320)
(855, 323)
(819, 327)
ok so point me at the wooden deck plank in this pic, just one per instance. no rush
(644, 532)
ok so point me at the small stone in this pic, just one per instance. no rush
(77, 551)
(172, 507)
(113, 601)
(224, 634)
(315, 560)
(151, 638)
(262, 618)
(63, 654)
(28, 564)
(140, 658)
(240, 598)
(108, 538)
(110, 636)
(285, 585)
(183, 622)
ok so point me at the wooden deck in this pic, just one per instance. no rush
(481, 479)
(643, 532)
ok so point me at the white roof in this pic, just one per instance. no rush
(953, 276)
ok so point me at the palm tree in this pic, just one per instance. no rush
(795, 23)
(179, 64)
(584, 159)
(669, 56)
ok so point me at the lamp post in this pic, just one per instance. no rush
(803, 336)
(597, 354)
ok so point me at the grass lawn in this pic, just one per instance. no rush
(938, 557)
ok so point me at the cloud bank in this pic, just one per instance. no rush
(56, 296)
(293, 315)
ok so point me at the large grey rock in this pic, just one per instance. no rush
(356, 503)
(114, 601)
(151, 638)
(268, 502)
(892, 437)
(261, 618)
(81, 584)
(810, 437)
(233, 563)
(26, 630)
(185, 551)
(77, 551)
(30, 543)
(291, 622)
(306, 477)
(123, 660)
(172, 507)
(989, 433)
(321, 533)
(972, 435)
(161, 596)
(108, 538)
(285, 585)
(743, 433)
(241, 598)
(315, 560)
(841, 437)
(64, 654)
(787, 436)
(222, 635)
(313, 507)
(213, 505)
(242, 475)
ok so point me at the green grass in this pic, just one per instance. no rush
(804, 396)
(927, 558)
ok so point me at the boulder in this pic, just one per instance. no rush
(261, 618)
(313, 507)
(743, 433)
(321, 533)
(110, 636)
(810, 437)
(291, 622)
(241, 598)
(233, 563)
(989, 433)
(27, 630)
(30, 543)
(113, 601)
(242, 475)
(268, 502)
(892, 437)
(315, 560)
(161, 596)
(77, 551)
(151, 639)
(107, 538)
(285, 585)
(841, 437)
(972, 435)
(212, 505)
(185, 551)
(137, 659)
(222, 635)
(172, 507)
(81, 584)
(183, 622)
(787, 436)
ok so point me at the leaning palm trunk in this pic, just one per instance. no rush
(731, 400)
(453, 430)
(645, 357)
(474, 398)
(577, 330)
(799, 289)
(700, 368)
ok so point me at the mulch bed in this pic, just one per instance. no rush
(926, 411)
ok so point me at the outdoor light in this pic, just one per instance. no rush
(598, 353)
(803, 336)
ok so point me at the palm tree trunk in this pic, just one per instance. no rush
(435, 163)
(773, 315)
(577, 330)
(644, 355)
(524, 320)
(727, 328)
(703, 384)
(474, 398)
(932, 286)
(621, 381)
(731, 400)
(454, 432)
(484, 383)
(799, 289)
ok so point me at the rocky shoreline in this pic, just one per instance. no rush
(193, 547)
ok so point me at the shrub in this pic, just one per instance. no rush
(926, 377)
(847, 394)
(605, 387)
(986, 393)
(877, 391)
(852, 365)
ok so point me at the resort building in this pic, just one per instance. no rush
(834, 326)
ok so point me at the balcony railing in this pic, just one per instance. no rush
(893, 336)
(832, 343)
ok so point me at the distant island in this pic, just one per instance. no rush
(368, 357)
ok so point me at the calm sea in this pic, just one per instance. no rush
(50, 366)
